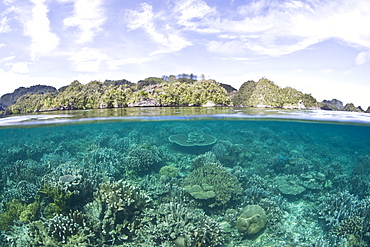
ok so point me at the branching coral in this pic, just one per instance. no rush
(175, 223)
(337, 207)
(17, 211)
(346, 216)
(141, 158)
(60, 199)
(71, 229)
(23, 191)
(118, 206)
(121, 196)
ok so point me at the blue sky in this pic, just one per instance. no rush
(320, 47)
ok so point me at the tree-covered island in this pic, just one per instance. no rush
(165, 91)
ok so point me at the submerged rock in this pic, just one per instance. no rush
(251, 220)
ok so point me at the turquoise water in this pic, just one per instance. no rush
(185, 177)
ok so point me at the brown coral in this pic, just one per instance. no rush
(251, 220)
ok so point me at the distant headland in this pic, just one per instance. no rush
(181, 90)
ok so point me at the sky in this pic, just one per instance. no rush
(321, 47)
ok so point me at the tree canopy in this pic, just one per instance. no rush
(265, 93)
(95, 94)
(182, 90)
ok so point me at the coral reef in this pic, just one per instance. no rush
(289, 185)
(23, 170)
(23, 191)
(173, 224)
(203, 192)
(193, 139)
(61, 227)
(124, 183)
(121, 196)
(73, 229)
(142, 158)
(347, 217)
(118, 206)
(59, 200)
(169, 171)
(251, 220)
(213, 179)
(227, 153)
(336, 207)
(12, 212)
(163, 190)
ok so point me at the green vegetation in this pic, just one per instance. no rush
(8, 99)
(181, 92)
(352, 107)
(265, 93)
(190, 94)
(154, 91)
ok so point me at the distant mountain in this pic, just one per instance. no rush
(352, 107)
(337, 105)
(334, 104)
(265, 93)
(9, 99)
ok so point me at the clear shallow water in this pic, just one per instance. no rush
(182, 113)
(115, 177)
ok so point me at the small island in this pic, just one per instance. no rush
(181, 90)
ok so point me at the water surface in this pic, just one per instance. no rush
(124, 177)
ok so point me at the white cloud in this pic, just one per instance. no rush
(188, 10)
(8, 1)
(141, 19)
(20, 67)
(326, 71)
(38, 28)
(363, 57)
(171, 43)
(88, 59)
(4, 27)
(114, 64)
(271, 27)
(233, 47)
(15, 80)
(88, 17)
(5, 17)
(168, 39)
(342, 20)
(6, 59)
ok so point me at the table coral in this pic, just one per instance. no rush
(193, 139)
